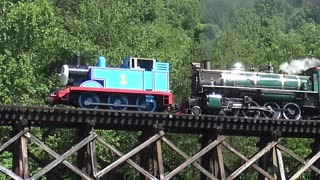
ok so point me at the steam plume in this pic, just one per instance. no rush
(299, 65)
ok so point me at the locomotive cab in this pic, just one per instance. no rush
(314, 74)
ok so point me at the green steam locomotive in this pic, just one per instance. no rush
(236, 92)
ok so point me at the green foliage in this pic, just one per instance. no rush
(37, 37)
(272, 31)
(19, 80)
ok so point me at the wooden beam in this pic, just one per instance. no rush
(280, 165)
(24, 163)
(129, 154)
(220, 162)
(54, 174)
(315, 147)
(159, 159)
(9, 173)
(252, 160)
(185, 156)
(132, 163)
(205, 159)
(195, 157)
(305, 166)
(63, 156)
(93, 155)
(56, 155)
(84, 154)
(264, 161)
(292, 154)
(275, 163)
(155, 165)
(254, 165)
(13, 139)
(144, 154)
(176, 177)
(20, 163)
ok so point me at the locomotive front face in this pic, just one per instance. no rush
(201, 77)
(64, 75)
(73, 75)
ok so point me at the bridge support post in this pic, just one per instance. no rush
(271, 159)
(20, 164)
(158, 168)
(86, 157)
(205, 159)
(264, 161)
(145, 154)
(315, 146)
(219, 170)
(214, 156)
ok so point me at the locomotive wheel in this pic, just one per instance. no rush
(144, 105)
(230, 112)
(119, 102)
(86, 99)
(196, 110)
(275, 108)
(291, 111)
(249, 110)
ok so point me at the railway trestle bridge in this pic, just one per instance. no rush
(147, 157)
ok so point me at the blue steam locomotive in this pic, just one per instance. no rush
(138, 84)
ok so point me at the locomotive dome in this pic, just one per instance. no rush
(237, 66)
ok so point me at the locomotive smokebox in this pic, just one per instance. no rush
(205, 64)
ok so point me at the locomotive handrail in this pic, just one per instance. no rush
(257, 88)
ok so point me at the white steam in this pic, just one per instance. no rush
(299, 65)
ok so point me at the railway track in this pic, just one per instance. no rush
(130, 120)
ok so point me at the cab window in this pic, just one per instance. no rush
(145, 64)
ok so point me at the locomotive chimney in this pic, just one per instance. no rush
(78, 59)
(206, 64)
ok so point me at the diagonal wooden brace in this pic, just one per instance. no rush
(252, 160)
(56, 155)
(4, 146)
(280, 164)
(195, 157)
(255, 166)
(305, 166)
(132, 163)
(93, 157)
(9, 173)
(292, 154)
(129, 154)
(64, 156)
(184, 155)
(13, 139)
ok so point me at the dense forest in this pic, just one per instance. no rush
(38, 36)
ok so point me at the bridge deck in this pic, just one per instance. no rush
(131, 120)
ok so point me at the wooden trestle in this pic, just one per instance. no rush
(208, 161)
(151, 148)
